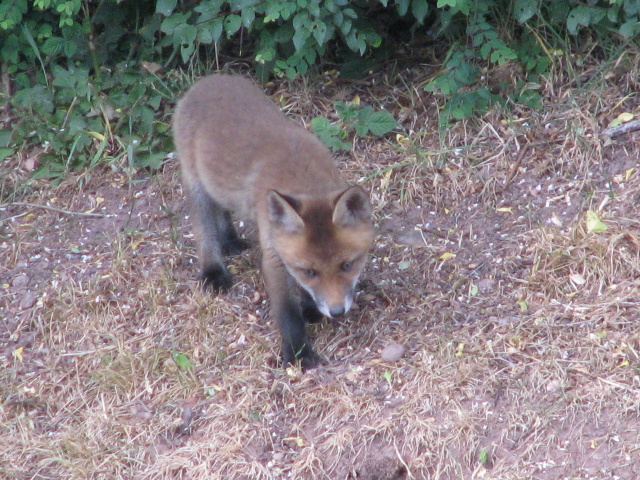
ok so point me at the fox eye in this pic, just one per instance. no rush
(310, 273)
(346, 266)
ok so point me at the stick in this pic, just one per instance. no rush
(622, 129)
(66, 212)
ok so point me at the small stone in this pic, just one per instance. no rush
(486, 285)
(20, 281)
(392, 352)
(28, 301)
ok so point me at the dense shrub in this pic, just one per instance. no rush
(76, 64)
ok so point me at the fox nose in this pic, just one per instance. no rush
(337, 311)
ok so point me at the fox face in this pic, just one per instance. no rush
(323, 244)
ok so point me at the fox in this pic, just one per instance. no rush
(240, 155)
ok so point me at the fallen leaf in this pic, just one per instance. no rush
(628, 173)
(577, 279)
(446, 256)
(523, 305)
(625, 117)
(555, 220)
(594, 224)
(504, 210)
(150, 67)
(17, 353)
(27, 218)
(182, 361)
(294, 373)
(402, 140)
(298, 441)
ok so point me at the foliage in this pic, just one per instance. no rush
(76, 65)
(352, 118)
(81, 123)
(494, 40)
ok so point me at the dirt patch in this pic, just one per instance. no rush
(520, 326)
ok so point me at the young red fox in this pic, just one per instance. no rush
(240, 154)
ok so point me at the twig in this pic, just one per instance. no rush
(66, 212)
(515, 167)
(622, 129)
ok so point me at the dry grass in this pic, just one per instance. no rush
(522, 350)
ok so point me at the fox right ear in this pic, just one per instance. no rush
(282, 213)
(352, 208)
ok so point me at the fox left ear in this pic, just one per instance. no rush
(352, 208)
(282, 212)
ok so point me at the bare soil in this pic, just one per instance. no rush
(521, 326)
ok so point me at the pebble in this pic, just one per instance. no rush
(392, 352)
(486, 285)
(21, 280)
(28, 301)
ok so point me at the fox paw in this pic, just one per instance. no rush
(216, 278)
(308, 359)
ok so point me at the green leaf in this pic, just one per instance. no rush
(578, 16)
(166, 7)
(232, 24)
(169, 24)
(210, 32)
(402, 6)
(53, 45)
(186, 34)
(5, 152)
(525, 9)
(300, 38)
(182, 361)
(319, 32)
(329, 134)
(381, 123)
(248, 16)
(419, 9)
(629, 29)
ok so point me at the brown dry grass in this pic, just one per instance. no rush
(522, 349)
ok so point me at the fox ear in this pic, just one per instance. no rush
(352, 208)
(282, 212)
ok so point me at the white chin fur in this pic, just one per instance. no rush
(324, 309)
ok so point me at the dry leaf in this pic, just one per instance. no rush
(594, 224)
(577, 279)
(17, 353)
(298, 441)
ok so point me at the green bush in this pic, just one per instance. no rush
(77, 76)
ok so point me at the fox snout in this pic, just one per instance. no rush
(336, 308)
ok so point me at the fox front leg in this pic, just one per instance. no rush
(286, 311)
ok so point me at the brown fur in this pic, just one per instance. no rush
(240, 154)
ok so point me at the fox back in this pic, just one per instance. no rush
(240, 155)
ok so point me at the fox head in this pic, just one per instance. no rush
(323, 243)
